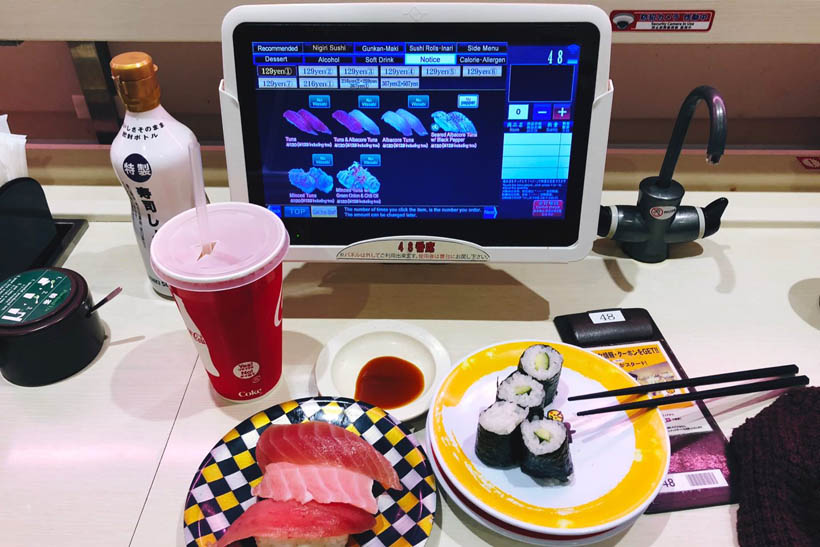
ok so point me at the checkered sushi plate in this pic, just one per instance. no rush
(221, 488)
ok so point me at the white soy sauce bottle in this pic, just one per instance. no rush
(150, 154)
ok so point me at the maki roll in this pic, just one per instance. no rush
(543, 363)
(498, 441)
(522, 390)
(546, 450)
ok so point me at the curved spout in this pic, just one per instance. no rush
(717, 130)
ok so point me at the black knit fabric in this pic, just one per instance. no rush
(775, 473)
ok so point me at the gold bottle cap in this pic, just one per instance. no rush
(135, 77)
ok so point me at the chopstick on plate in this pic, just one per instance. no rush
(768, 372)
(754, 387)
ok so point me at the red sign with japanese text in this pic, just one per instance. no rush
(662, 20)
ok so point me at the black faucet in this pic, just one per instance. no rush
(645, 230)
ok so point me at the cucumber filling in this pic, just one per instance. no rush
(523, 390)
(543, 434)
(542, 361)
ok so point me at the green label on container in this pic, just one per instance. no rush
(31, 295)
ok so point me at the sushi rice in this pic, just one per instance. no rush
(543, 363)
(522, 390)
(498, 440)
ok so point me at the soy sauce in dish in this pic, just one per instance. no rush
(389, 382)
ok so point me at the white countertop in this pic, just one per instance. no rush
(105, 457)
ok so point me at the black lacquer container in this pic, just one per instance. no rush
(47, 329)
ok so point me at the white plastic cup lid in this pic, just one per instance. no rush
(250, 241)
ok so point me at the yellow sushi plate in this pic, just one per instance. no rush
(619, 458)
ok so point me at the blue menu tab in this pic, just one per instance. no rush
(430, 47)
(323, 211)
(328, 59)
(281, 70)
(328, 47)
(482, 59)
(276, 47)
(380, 59)
(542, 111)
(368, 101)
(318, 70)
(298, 211)
(276, 83)
(380, 47)
(370, 160)
(468, 101)
(322, 160)
(418, 101)
(430, 59)
(319, 101)
(270, 58)
(358, 71)
(482, 47)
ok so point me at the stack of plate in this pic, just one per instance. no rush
(619, 458)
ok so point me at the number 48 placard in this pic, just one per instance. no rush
(606, 316)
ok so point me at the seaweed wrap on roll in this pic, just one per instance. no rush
(543, 363)
(498, 441)
(522, 390)
(546, 450)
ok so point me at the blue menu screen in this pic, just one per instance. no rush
(414, 130)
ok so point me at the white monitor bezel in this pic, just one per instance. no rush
(430, 12)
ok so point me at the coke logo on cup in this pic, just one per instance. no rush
(250, 393)
(246, 370)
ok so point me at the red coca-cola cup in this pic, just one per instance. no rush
(230, 299)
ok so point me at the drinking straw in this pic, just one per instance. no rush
(195, 157)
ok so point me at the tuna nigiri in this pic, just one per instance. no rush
(315, 123)
(298, 121)
(284, 481)
(324, 443)
(351, 123)
(294, 523)
(368, 124)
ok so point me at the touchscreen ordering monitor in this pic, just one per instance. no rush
(432, 132)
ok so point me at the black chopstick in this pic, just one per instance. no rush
(780, 383)
(768, 372)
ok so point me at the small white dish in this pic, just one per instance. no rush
(344, 356)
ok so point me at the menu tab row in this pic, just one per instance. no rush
(379, 47)
(261, 59)
(318, 77)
